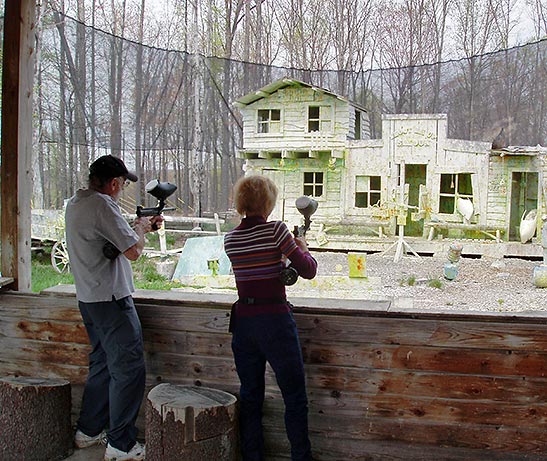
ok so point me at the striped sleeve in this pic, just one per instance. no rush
(284, 239)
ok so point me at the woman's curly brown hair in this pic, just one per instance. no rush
(255, 195)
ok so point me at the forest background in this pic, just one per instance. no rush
(154, 82)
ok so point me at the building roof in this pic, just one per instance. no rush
(520, 150)
(271, 88)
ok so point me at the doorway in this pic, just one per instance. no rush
(524, 198)
(415, 175)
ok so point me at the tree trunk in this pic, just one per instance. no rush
(35, 419)
(80, 123)
(191, 423)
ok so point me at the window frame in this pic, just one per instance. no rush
(447, 195)
(324, 116)
(268, 122)
(367, 191)
(314, 184)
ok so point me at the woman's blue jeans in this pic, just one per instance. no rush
(271, 338)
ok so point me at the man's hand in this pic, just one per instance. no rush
(142, 225)
(148, 223)
(156, 222)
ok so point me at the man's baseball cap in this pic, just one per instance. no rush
(108, 166)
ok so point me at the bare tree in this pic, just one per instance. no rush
(304, 27)
(539, 17)
(80, 123)
(349, 30)
(115, 78)
(475, 34)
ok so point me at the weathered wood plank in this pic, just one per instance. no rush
(443, 359)
(483, 437)
(189, 343)
(36, 307)
(18, 55)
(468, 334)
(74, 373)
(45, 330)
(330, 447)
(433, 410)
(426, 384)
(45, 351)
(174, 318)
(6, 281)
(191, 366)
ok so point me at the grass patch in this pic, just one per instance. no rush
(145, 275)
(410, 281)
(45, 276)
(435, 283)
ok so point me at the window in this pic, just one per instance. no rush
(367, 191)
(452, 186)
(319, 118)
(269, 120)
(357, 124)
(313, 184)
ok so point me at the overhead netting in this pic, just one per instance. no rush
(170, 115)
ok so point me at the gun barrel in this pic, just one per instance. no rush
(141, 211)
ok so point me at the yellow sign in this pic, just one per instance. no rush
(357, 265)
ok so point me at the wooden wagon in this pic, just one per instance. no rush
(48, 231)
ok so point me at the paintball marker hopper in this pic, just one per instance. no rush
(160, 190)
(306, 206)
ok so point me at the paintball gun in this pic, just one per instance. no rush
(160, 190)
(306, 206)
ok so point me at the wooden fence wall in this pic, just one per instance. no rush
(381, 385)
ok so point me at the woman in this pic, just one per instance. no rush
(263, 325)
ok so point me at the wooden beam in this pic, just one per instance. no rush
(16, 179)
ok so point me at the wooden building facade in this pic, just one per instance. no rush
(313, 142)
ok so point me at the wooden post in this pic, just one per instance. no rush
(191, 423)
(35, 419)
(17, 87)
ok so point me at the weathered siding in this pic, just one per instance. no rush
(292, 170)
(498, 188)
(382, 385)
(294, 103)
(365, 158)
(459, 156)
(501, 169)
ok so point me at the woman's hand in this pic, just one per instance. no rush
(301, 243)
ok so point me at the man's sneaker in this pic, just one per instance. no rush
(135, 454)
(82, 440)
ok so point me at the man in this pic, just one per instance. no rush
(104, 283)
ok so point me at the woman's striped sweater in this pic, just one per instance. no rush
(256, 249)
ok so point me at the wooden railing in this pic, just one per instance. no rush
(382, 385)
(172, 221)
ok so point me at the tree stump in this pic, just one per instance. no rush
(190, 423)
(34, 419)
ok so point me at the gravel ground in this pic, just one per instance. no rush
(504, 285)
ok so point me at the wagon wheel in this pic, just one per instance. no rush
(59, 257)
